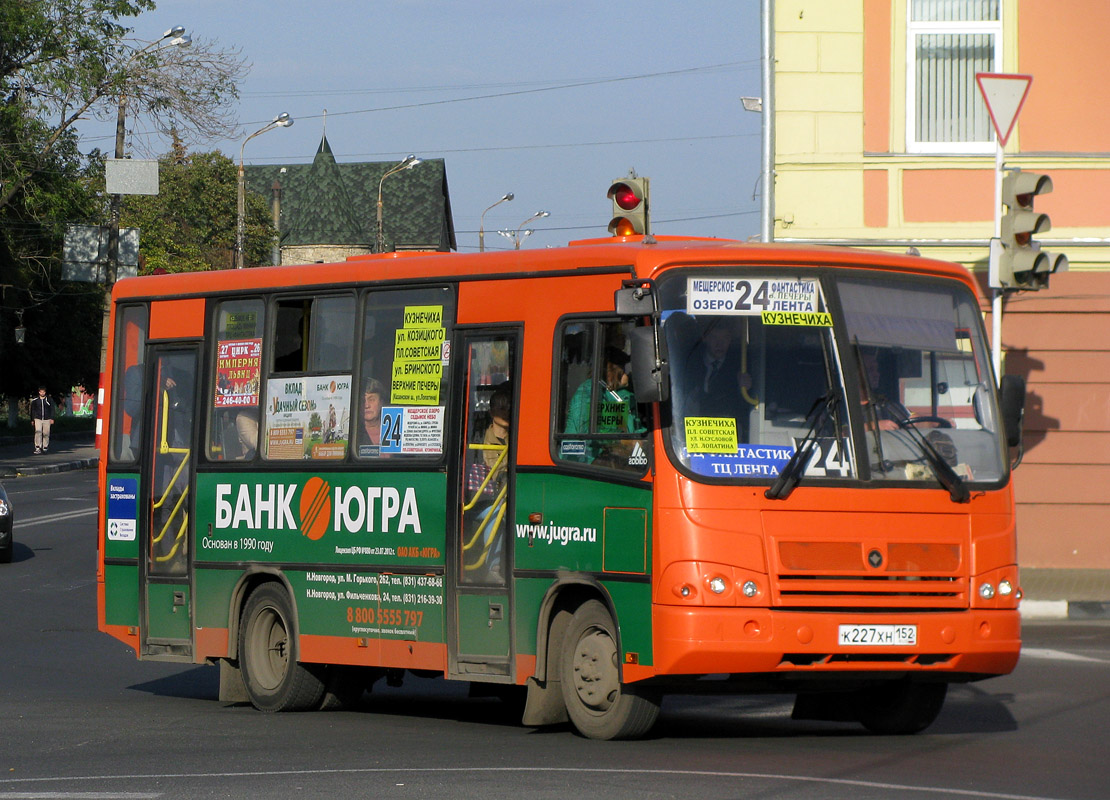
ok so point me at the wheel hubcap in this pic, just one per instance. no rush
(272, 644)
(595, 670)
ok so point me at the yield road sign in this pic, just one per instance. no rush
(1004, 95)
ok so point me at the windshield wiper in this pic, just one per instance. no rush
(941, 468)
(792, 472)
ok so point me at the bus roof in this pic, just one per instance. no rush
(643, 256)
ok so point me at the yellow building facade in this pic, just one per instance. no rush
(882, 140)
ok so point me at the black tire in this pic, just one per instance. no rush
(901, 707)
(6, 555)
(268, 655)
(598, 704)
(345, 686)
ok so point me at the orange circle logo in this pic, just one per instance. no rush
(315, 508)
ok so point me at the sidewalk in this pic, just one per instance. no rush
(1048, 593)
(67, 451)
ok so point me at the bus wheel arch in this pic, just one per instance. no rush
(269, 650)
(545, 705)
(600, 705)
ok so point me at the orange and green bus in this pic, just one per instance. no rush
(578, 478)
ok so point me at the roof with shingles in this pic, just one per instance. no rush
(332, 203)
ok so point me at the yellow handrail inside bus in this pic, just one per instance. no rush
(164, 445)
(490, 524)
(504, 450)
(487, 529)
(164, 449)
(178, 539)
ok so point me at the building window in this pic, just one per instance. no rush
(949, 42)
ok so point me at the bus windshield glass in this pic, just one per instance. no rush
(758, 365)
(923, 369)
(752, 359)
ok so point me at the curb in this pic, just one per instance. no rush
(45, 469)
(1044, 609)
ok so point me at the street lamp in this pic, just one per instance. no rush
(482, 222)
(408, 162)
(282, 120)
(538, 215)
(174, 37)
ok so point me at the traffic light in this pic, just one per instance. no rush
(630, 206)
(1022, 264)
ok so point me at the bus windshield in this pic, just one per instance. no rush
(758, 364)
(923, 370)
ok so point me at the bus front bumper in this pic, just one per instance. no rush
(706, 641)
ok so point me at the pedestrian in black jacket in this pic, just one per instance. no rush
(42, 417)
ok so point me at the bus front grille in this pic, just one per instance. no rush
(913, 591)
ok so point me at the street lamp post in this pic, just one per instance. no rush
(517, 237)
(282, 120)
(482, 222)
(174, 37)
(408, 162)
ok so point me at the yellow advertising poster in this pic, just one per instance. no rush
(418, 357)
(416, 383)
(711, 435)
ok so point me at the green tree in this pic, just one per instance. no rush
(62, 61)
(60, 320)
(68, 60)
(190, 224)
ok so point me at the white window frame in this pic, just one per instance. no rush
(920, 28)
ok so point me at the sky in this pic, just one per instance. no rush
(550, 100)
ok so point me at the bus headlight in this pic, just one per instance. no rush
(717, 585)
(749, 589)
(1005, 588)
(986, 591)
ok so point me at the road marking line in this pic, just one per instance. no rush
(900, 787)
(1057, 655)
(84, 512)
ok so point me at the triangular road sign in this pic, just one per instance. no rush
(1004, 95)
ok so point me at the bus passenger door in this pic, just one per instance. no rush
(480, 538)
(165, 531)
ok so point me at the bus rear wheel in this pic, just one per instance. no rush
(901, 707)
(268, 656)
(598, 704)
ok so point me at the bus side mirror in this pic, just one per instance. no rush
(650, 376)
(635, 300)
(1013, 408)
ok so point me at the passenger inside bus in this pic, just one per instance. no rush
(716, 377)
(615, 408)
(370, 434)
(487, 490)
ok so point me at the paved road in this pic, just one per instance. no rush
(80, 717)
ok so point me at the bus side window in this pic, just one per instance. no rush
(308, 405)
(402, 377)
(127, 405)
(234, 399)
(598, 419)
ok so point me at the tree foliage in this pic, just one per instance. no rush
(66, 60)
(62, 61)
(190, 224)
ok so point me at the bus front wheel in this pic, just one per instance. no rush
(901, 707)
(598, 704)
(267, 655)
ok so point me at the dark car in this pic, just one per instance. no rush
(6, 517)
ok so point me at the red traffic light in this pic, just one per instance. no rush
(624, 196)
